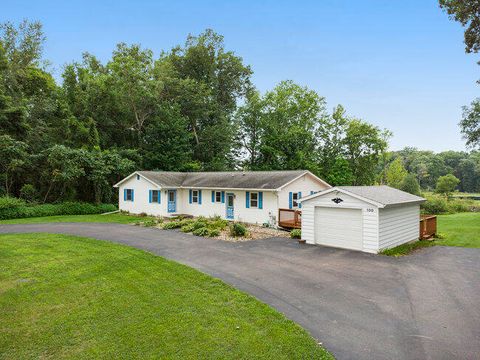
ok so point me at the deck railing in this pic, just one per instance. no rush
(428, 226)
(290, 218)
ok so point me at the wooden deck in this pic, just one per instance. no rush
(290, 218)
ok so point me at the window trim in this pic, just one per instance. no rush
(219, 199)
(251, 199)
(129, 191)
(295, 201)
(158, 196)
(195, 198)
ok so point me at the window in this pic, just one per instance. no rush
(171, 196)
(295, 198)
(194, 196)
(218, 196)
(155, 196)
(138, 177)
(128, 194)
(254, 199)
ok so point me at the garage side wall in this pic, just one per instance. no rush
(399, 225)
(369, 215)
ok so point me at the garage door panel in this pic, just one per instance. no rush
(339, 227)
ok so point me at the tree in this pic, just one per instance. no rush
(364, 145)
(13, 155)
(467, 13)
(470, 123)
(446, 184)
(396, 173)
(340, 173)
(410, 185)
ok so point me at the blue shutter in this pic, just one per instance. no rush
(124, 194)
(223, 197)
(213, 196)
(159, 195)
(260, 200)
(299, 197)
(150, 196)
(190, 196)
(199, 197)
(290, 200)
(132, 195)
(248, 199)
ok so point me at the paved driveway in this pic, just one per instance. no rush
(360, 306)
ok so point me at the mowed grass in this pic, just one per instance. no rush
(462, 229)
(71, 297)
(110, 218)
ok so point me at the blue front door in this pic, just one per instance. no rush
(230, 207)
(172, 201)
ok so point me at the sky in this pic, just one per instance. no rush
(400, 65)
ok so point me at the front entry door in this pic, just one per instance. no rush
(172, 201)
(230, 207)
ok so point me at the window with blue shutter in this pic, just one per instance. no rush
(154, 196)
(128, 194)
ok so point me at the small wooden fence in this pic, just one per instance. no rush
(290, 218)
(428, 226)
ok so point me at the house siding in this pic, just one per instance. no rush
(141, 202)
(305, 184)
(398, 225)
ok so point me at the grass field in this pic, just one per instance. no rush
(462, 229)
(111, 218)
(71, 297)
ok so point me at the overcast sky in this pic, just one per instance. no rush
(400, 65)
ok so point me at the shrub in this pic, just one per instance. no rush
(172, 225)
(213, 232)
(217, 223)
(28, 193)
(149, 223)
(435, 205)
(7, 202)
(203, 231)
(296, 234)
(187, 228)
(238, 229)
(17, 209)
(199, 224)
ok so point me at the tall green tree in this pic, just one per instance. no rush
(470, 123)
(447, 184)
(396, 173)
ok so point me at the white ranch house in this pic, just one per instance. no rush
(363, 218)
(250, 196)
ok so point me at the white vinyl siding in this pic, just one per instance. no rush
(399, 225)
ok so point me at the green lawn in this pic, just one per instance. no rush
(71, 297)
(462, 229)
(111, 218)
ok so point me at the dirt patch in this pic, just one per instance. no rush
(255, 232)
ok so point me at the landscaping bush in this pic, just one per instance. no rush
(11, 208)
(149, 223)
(203, 231)
(213, 232)
(199, 224)
(238, 229)
(171, 225)
(296, 234)
(436, 204)
(187, 228)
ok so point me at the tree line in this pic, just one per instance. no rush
(192, 108)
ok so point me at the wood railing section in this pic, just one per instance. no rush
(290, 218)
(428, 226)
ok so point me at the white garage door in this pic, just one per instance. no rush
(339, 227)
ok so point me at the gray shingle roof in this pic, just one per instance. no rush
(227, 179)
(382, 194)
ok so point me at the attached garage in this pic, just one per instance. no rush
(363, 218)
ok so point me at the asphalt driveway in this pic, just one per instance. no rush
(360, 306)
